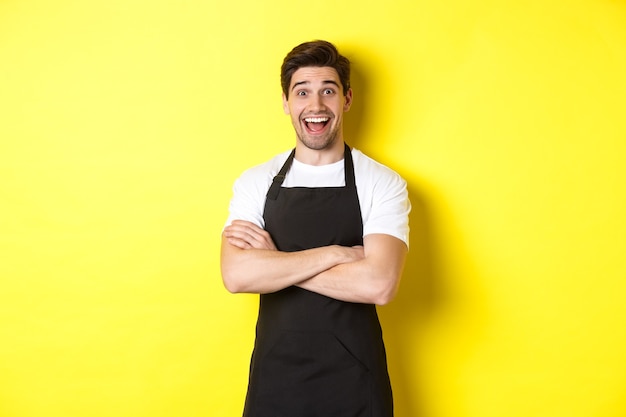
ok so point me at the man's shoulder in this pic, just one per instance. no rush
(372, 168)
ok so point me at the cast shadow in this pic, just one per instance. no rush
(355, 121)
(405, 319)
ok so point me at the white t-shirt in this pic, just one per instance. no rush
(382, 193)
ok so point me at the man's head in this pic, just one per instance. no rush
(316, 93)
(315, 54)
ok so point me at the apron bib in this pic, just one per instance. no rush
(315, 356)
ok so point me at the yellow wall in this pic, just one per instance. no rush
(124, 123)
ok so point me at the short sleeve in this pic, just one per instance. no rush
(384, 199)
(246, 203)
(250, 189)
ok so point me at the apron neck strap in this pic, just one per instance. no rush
(278, 180)
(348, 167)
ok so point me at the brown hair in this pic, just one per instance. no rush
(315, 54)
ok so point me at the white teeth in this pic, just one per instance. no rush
(316, 119)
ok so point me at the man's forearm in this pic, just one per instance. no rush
(264, 271)
(355, 282)
(371, 280)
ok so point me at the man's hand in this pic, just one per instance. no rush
(251, 262)
(351, 254)
(247, 235)
(362, 274)
(371, 279)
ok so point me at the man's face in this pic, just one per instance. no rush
(316, 105)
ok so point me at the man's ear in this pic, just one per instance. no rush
(348, 98)
(285, 104)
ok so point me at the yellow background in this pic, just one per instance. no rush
(124, 123)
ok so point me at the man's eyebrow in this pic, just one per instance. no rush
(333, 82)
(299, 83)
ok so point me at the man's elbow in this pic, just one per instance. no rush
(384, 296)
(231, 286)
(231, 281)
(385, 291)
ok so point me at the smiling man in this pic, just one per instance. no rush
(321, 233)
(316, 105)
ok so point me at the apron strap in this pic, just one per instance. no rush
(278, 180)
(349, 168)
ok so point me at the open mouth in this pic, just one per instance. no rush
(316, 124)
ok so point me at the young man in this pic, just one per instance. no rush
(321, 233)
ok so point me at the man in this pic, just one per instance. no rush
(321, 233)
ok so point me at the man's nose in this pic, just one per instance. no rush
(317, 102)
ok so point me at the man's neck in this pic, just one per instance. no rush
(320, 157)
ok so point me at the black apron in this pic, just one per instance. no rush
(315, 356)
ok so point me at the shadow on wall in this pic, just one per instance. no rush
(405, 319)
(354, 123)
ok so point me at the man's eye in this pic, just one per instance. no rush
(301, 93)
(329, 91)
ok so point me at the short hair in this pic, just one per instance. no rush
(317, 53)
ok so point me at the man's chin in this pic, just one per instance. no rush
(317, 143)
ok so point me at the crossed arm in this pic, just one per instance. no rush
(365, 274)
